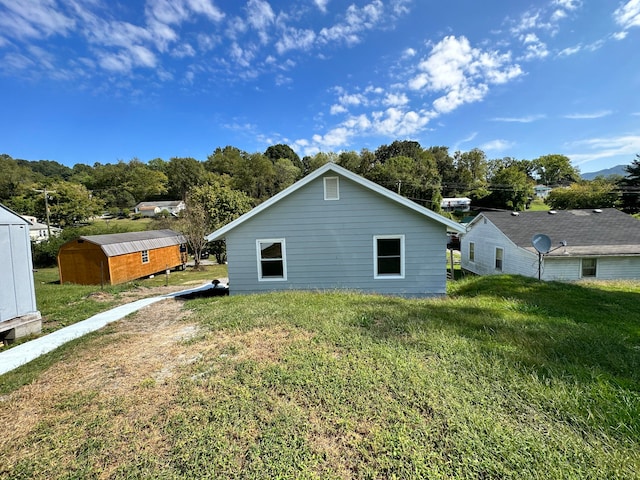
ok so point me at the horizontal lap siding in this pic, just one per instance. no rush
(329, 244)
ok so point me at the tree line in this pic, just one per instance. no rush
(425, 175)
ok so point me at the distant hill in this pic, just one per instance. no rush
(617, 170)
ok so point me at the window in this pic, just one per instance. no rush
(472, 252)
(331, 188)
(388, 251)
(499, 255)
(272, 262)
(589, 267)
(145, 256)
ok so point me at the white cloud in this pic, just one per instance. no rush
(295, 39)
(570, 51)
(628, 15)
(395, 99)
(321, 4)
(606, 147)
(588, 116)
(463, 73)
(496, 145)
(337, 109)
(357, 20)
(260, 17)
(526, 119)
(34, 19)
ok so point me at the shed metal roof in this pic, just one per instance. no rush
(604, 231)
(115, 244)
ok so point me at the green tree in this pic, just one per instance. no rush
(471, 172)
(183, 174)
(210, 207)
(71, 203)
(583, 194)
(511, 188)
(12, 177)
(555, 170)
(279, 151)
(630, 186)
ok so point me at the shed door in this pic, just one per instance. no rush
(8, 301)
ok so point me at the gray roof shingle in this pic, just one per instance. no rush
(587, 232)
(115, 244)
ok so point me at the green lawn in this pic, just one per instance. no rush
(507, 377)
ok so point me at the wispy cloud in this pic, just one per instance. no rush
(628, 15)
(604, 147)
(497, 145)
(588, 116)
(525, 119)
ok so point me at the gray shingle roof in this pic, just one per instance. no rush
(122, 243)
(587, 232)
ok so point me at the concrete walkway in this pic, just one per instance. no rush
(25, 352)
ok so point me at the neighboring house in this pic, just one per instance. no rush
(39, 232)
(151, 209)
(336, 230)
(18, 313)
(542, 191)
(460, 204)
(120, 257)
(603, 244)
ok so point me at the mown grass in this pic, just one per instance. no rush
(506, 378)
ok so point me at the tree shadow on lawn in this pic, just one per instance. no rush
(566, 328)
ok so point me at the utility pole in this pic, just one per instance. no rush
(46, 207)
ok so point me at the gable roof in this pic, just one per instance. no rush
(9, 217)
(115, 244)
(604, 231)
(332, 167)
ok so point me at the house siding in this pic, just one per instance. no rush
(486, 238)
(329, 244)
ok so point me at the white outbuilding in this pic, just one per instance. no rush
(19, 316)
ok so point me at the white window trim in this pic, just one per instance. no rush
(142, 255)
(337, 180)
(281, 241)
(375, 257)
(495, 259)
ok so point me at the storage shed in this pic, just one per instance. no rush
(18, 313)
(120, 257)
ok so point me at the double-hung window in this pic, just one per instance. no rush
(589, 267)
(388, 256)
(499, 258)
(272, 259)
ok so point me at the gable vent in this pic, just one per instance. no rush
(331, 188)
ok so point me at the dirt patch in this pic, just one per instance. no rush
(118, 389)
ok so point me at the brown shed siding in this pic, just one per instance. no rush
(128, 267)
(84, 262)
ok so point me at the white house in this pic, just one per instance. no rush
(461, 204)
(151, 209)
(600, 243)
(39, 232)
(336, 230)
(18, 313)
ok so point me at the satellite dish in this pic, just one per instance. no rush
(541, 243)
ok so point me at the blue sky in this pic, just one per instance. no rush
(86, 81)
